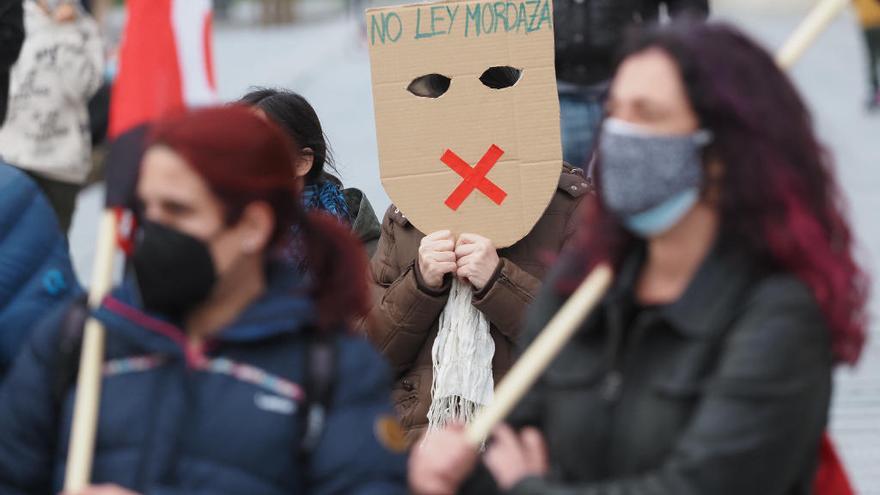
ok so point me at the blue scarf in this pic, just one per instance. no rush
(328, 197)
(325, 196)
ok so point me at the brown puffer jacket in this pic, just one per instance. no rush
(404, 319)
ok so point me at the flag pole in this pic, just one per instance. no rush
(809, 30)
(88, 391)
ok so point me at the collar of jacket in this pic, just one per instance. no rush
(364, 223)
(572, 182)
(284, 308)
(711, 299)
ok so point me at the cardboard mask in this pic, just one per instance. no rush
(467, 114)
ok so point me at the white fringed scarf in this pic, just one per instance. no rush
(462, 358)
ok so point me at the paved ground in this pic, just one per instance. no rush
(328, 64)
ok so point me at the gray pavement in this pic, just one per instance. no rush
(328, 63)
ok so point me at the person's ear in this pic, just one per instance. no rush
(255, 227)
(304, 163)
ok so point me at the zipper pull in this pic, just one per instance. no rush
(611, 386)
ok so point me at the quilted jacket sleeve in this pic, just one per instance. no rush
(28, 414)
(35, 268)
(361, 450)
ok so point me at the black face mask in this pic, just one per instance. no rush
(174, 271)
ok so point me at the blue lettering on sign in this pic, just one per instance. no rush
(481, 18)
(387, 26)
(442, 20)
(452, 13)
(473, 17)
(495, 17)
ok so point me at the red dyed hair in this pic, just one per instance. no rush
(245, 159)
(779, 200)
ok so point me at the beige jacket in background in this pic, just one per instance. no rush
(47, 126)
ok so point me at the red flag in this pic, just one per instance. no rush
(165, 61)
(831, 477)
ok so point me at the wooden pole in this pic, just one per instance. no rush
(539, 355)
(88, 388)
(809, 30)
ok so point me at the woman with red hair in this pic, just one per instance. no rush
(226, 369)
(707, 367)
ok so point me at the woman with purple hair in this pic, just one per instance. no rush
(707, 367)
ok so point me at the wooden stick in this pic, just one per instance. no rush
(88, 384)
(805, 35)
(539, 355)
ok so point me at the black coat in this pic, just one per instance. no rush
(589, 32)
(11, 38)
(724, 392)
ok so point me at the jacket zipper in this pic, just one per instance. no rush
(612, 385)
(613, 380)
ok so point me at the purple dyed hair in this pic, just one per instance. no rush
(779, 200)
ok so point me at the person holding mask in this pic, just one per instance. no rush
(208, 382)
(412, 274)
(321, 190)
(707, 367)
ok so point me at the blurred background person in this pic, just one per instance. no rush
(707, 367)
(47, 130)
(11, 38)
(588, 35)
(321, 190)
(212, 382)
(278, 11)
(869, 16)
(35, 268)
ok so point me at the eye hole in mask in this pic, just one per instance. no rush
(501, 77)
(429, 86)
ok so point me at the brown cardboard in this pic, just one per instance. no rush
(452, 39)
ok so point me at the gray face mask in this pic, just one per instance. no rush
(641, 169)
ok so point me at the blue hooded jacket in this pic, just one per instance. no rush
(225, 418)
(35, 269)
